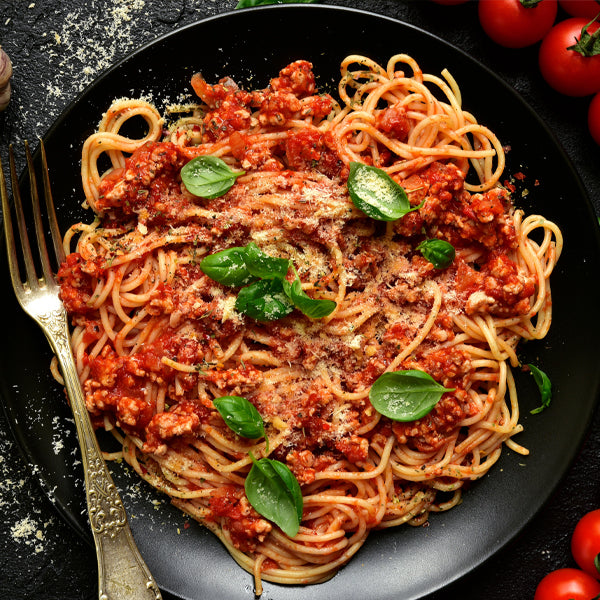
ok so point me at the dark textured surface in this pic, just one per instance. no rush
(59, 47)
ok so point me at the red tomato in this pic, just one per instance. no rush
(567, 584)
(568, 71)
(581, 8)
(511, 24)
(585, 543)
(594, 118)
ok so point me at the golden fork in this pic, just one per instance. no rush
(122, 573)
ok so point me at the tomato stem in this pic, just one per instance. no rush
(589, 43)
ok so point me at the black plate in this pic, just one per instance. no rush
(408, 563)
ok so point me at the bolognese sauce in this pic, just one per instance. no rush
(157, 340)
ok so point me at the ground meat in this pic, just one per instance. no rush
(394, 122)
(183, 419)
(453, 214)
(246, 526)
(433, 430)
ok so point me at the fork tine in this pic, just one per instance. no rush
(11, 248)
(37, 218)
(54, 230)
(27, 257)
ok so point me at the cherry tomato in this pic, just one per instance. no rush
(568, 71)
(567, 584)
(511, 24)
(581, 8)
(585, 542)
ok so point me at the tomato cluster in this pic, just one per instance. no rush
(569, 53)
(582, 583)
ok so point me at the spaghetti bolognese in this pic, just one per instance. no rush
(290, 335)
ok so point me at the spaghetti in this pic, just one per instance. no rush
(156, 341)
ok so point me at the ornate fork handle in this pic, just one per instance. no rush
(122, 573)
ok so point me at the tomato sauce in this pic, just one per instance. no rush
(196, 322)
(244, 524)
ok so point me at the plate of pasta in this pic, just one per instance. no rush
(324, 298)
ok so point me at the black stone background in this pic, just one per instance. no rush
(51, 43)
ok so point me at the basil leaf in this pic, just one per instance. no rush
(264, 300)
(262, 265)
(274, 492)
(238, 266)
(292, 484)
(544, 385)
(316, 308)
(438, 252)
(375, 193)
(208, 176)
(405, 395)
(228, 267)
(241, 416)
(270, 296)
(251, 3)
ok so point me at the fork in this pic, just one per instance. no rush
(122, 573)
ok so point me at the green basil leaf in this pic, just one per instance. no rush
(251, 3)
(270, 296)
(274, 492)
(405, 395)
(208, 176)
(375, 193)
(438, 252)
(262, 265)
(264, 300)
(241, 416)
(228, 267)
(316, 308)
(292, 484)
(544, 385)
